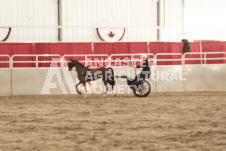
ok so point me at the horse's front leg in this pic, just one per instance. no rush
(84, 83)
(77, 87)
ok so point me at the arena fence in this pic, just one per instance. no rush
(208, 74)
(5, 59)
(33, 60)
(204, 58)
(91, 60)
(44, 60)
(129, 59)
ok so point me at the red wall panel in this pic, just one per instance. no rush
(62, 49)
(113, 48)
(194, 46)
(120, 48)
(213, 46)
(167, 47)
(42, 48)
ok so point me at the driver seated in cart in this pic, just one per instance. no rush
(145, 73)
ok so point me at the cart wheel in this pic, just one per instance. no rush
(145, 89)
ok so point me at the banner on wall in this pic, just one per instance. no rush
(110, 34)
(4, 33)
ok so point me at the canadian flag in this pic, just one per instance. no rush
(110, 34)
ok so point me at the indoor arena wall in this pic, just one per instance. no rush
(36, 81)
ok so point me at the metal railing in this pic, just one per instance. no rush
(89, 59)
(5, 61)
(202, 57)
(167, 54)
(36, 61)
(133, 59)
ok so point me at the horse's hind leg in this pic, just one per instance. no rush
(112, 83)
(84, 83)
(106, 86)
(77, 87)
(85, 86)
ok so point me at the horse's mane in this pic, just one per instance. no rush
(81, 65)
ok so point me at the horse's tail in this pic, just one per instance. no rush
(112, 79)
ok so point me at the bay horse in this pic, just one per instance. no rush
(86, 74)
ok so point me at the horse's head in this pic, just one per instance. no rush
(74, 63)
(71, 64)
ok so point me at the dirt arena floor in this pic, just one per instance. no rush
(159, 122)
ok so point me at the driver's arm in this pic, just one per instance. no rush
(141, 66)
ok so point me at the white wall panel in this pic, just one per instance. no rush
(5, 82)
(109, 13)
(173, 30)
(203, 20)
(205, 77)
(30, 13)
(31, 81)
(85, 15)
(204, 4)
(172, 83)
